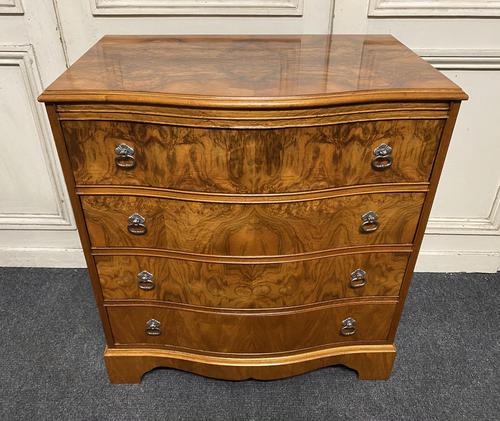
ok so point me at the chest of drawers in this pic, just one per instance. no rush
(252, 206)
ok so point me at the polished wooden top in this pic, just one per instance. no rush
(250, 71)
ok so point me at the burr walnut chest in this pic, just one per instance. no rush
(251, 206)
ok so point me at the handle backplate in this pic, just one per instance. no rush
(137, 224)
(369, 222)
(382, 157)
(124, 156)
(153, 327)
(358, 278)
(348, 327)
(145, 280)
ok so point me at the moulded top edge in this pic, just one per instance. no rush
(250, 71)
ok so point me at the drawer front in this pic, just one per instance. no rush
(251, 161)
(225, 332)
(250, 285)
(252, 229)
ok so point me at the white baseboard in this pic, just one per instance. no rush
(428, 261)
(42, 257)
(458, 261)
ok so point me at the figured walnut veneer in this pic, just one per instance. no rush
(237, 285)
(252, 168)
(246, 333)
(256, 71)
(252, 229)
(251, 161)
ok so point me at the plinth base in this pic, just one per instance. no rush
(372, 362)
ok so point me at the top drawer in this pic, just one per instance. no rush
(251, 161)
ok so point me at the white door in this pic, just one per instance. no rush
(37, 39)
(36, 225)
(461, 38)
(84, 22)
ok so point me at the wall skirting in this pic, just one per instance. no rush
(450, 8)
(42, 257)
(193, 7)
(458, 261)
(428, 261)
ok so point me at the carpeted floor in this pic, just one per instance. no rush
(51, 362)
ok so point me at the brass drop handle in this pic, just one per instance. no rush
(153, 327)
(348, 327)
(137, 224)
(358, 278)
(124, 156)
(369, 222)
(145, 280)
(382, 157)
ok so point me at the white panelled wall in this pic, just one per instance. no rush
(39, 38)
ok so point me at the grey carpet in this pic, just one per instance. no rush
(51, 362)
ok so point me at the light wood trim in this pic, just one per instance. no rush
(372, 362)
(263, 123)
(305, 308)
(194, 196)
(197, 101)
(65, 110)
(257, 119)
(252, 361)
(250, 260)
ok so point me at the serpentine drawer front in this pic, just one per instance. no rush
(249, 229)
(253, 217)
(270, 284)
(251, 161)
(245, 333)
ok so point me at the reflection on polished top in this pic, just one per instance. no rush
(258, 70)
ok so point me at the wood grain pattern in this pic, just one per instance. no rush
(252, 230)
(251, 161)
(208, 118)
(250, 71)
(372, 362)
(242, 333)
(251, 286)
(253, 172)
(244, 119)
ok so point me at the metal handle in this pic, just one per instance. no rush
(358, 279)
(124, 156)
(348, 327)
(153, 327)
(382, 157)
(137, 224)
(370, 222)
(145, 280)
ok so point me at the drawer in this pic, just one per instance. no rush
(246, 333)
(251, 161)
(237, 285)
(252, 229)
